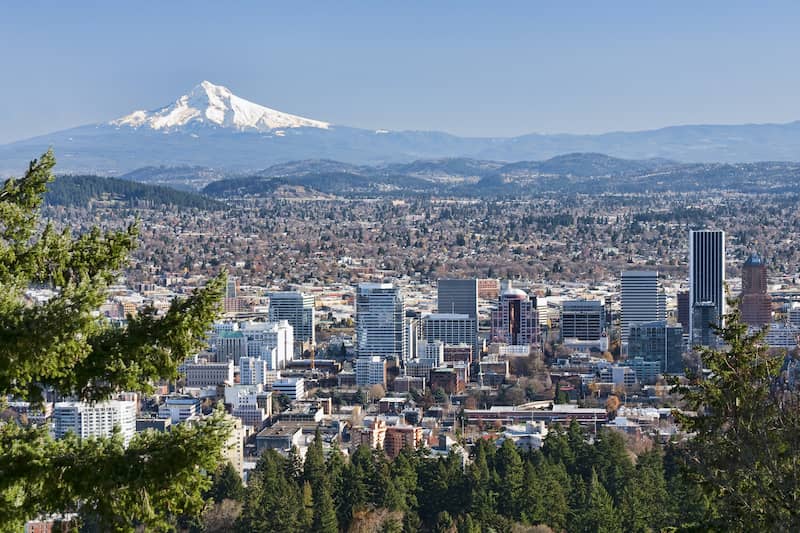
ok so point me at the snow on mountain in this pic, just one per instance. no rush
(216, 105)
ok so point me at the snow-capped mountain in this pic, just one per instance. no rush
(215, 105)
(211, 127)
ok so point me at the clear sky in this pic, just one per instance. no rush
(470, 68)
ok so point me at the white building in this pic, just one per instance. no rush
(95, 420)
(431, 350)
(179, 409)
(380, 319)
(451, 328)
(292, 388)
(782, 335)
(253, 371)
(271, 341)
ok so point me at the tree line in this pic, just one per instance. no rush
(572, 484)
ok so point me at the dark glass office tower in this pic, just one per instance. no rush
(706, 284)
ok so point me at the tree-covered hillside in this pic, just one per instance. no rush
(80, 190)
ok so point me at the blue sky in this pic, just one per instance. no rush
(470, 68)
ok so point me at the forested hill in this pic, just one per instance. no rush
(81, 190)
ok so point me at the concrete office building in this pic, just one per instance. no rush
(583, 320)
(292, 388)
(206, 374)
(263, 337)
(296, 308)
(253, 371)
(451, 329)
(95, 420)
(642, 300)
(380, 322)
(179, 408)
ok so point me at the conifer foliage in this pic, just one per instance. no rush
(61, 346)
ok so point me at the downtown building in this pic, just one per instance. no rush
(706, 285)
(460, 296)
(658, 342)
(642, 300)
(516, 320)
(380, 322)
(451, 329)
(583, 320)
(95, 419)
(297, 309)
(756, 303)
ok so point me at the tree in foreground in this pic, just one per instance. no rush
(745, 452)
(62, 346)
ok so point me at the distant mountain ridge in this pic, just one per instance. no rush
(80, 191)
(210, 126)
(568, 174)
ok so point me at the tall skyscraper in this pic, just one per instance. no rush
(380, 321)
(460, 296)
(516, 320)
(642, 300)
(296, 308)
(706, 284)
(756, 305)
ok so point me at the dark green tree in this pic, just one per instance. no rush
(600, 516)
(510, 472)
(60, 345)
(645, 501)
(746, 433)
(226, 484)
(324, 512)
(272, 502)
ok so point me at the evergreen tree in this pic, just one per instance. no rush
(746, 433)
(272, 502)
(226, 484)
(482, 499)
(61, 346)
(645, 499)
(600, 516)
(305, 516)
(314, 465)
(334, 469)
(555, 490)
(510, 476)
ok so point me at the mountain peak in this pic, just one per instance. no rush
(216, 106)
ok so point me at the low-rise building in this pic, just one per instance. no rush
(206, 374)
